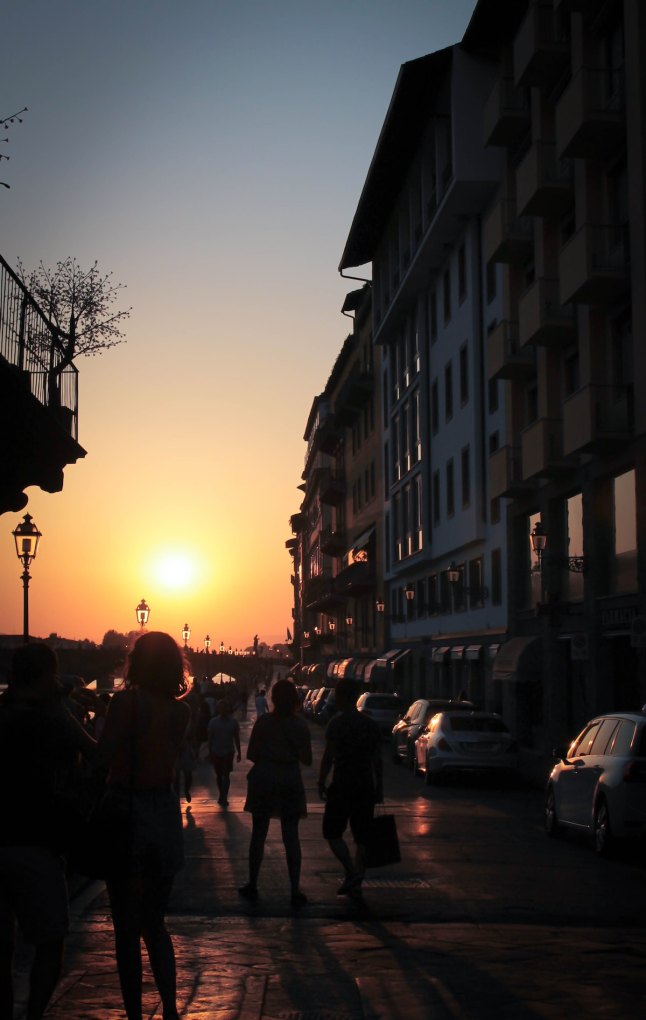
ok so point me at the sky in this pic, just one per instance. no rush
(210, 154)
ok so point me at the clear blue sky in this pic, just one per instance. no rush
(211, 154)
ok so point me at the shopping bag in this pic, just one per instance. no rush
(382, 847)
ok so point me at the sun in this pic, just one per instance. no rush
(175, 570)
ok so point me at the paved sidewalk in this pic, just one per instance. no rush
(409, 950)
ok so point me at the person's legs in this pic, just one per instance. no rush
(225, 785)
(156, 891)
(259, 830)
(292, 844)
(125, 904)
(335, 820)
(45, 972)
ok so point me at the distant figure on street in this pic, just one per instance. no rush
(261, 703)
(279, 744)
(39, 742)
(223, 736)
(144, 730)
(353, 751)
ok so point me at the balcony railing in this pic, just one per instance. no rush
(590, 117)
(594, 263)
(506, 358)
(597, 418)
(29, 342)
(506, 114)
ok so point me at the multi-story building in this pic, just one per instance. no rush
(38, 419)
(418, 223)
(337, 533)
(567, 113)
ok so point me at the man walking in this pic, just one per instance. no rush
(353, 750)
(223, 736)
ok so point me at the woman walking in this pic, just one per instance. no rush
(279, 744)
(143, 733)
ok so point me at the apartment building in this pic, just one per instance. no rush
(337, 534)
(567, 113)
(418, 223)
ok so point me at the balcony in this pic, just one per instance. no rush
(542, 449)
(590, 115)
(507, 236)
(542, 320)
(333, 541)
(353, 393)
(506, 115)
(506, 474)
(331, 486)
(594, 265)
(544, 184)
(327, 435)
(506, 359)
(597, 419)
(541, 51)
(319, 593)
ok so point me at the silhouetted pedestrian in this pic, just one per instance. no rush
(223, 736)
(143, 733)
(279, 744)
(353, 750)
(39, 742)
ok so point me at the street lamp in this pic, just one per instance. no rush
(186, 633)
(477, 593)
(221, 647)
(538, 538)
(207, 644)
(143, 612)
(26, 536)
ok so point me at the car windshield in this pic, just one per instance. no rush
(476, 724)
(382, 701)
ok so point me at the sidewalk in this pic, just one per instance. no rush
(408, 951)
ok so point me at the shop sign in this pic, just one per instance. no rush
(618, 617)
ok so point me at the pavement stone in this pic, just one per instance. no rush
(409, 949)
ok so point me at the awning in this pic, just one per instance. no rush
(492, 651)
(391, 658)
(457, 652)
(359, 668)
(367, 673)
(440, 654)
(517, 659)
(346, 668)
(362, 540)
(333, 667)
(473, 652)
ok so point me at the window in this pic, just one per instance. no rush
(435, 407)
(417, 428)
(465, 465)
(448, 391)
(476, 583)
(433, 594)
(450, 493)
(604, 735)
(462, 274)
(571, 371)
(464, 375)
(436, 498)
(494, 511)
(493, 396)
(417, 513)
(496, 577)
(625, 532)
(532, 404)
(432, 311)
(446, 286)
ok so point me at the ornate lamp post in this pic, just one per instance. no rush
(221, 647)
(186, 633)
(26, 536)
(207, 644)
(143, 612)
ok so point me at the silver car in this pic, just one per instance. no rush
(385, 709)
(455, 741)
(598, 786)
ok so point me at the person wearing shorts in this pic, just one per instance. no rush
(353, 752)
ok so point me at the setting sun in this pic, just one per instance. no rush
(175, 570)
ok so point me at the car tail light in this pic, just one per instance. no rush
(635, 771)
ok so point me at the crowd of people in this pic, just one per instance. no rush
(146, 741)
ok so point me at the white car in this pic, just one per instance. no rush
(458, 741)
(384, 708)
(598, 786)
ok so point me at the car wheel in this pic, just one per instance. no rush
(603, 841)
(552, 827)
(429, 777)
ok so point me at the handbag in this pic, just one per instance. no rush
(382, 846)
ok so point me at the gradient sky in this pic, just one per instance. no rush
(210, 154)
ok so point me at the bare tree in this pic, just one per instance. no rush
(79, 305)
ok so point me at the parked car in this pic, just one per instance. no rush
(598, 786)
(407, 729)
(385, 709)
(310, 697)
(327, 709)
(455, 741)
(319, 702)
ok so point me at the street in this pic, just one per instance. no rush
(484, 917)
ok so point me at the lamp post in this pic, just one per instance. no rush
(142, 612)
(186, 633)
(477, 593)
(538, 539)
(221, 647)
(26, 536)
(207, 644)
